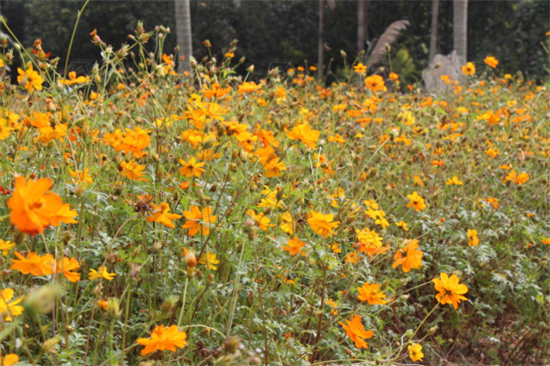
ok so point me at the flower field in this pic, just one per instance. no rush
(157, 218)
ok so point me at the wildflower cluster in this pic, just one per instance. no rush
(150, 215)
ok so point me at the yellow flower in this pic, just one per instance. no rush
(360, 68)
(322, 224)
(469, 69)
(7, 308)
(191, 168)
(473, 241)
(450, 292)
(9, 360)
(30, 79)
(286, 224)
(454, 180)
(6, 246)
(101, 273)
(402, 225)
(417, 202)
(415, 352)
(209, 259)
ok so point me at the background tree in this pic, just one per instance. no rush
(183, 32)
(460, 29)
(362, 22)
(277, 33)
(433, 33)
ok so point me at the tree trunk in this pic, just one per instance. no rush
(183, 33)
(320, 50)
(362, 21)
(460, 29)
(433, 35)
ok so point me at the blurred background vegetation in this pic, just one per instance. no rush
(273, 33)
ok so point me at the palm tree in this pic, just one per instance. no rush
(183, 32)
(460, 29)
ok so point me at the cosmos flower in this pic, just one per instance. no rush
(163, 338)
(356, 331)
(449, 290)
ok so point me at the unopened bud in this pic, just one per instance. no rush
(49, 346)
(169, 304)
(113, 308)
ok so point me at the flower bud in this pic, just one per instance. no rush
(191, 261)
(113, 308)
(232, 345)
(169, 304)
(49, 345)
(41, 300)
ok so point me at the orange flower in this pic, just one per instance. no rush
(304, 133)
(450, 292)
(371, 294)
(417, 202)
(516, 178)
(134, 142)
(356, 331)
(375, 83)
(322, 224)
(9, 360)
(132, 170)
(294, 246)
(262, 221)
(216, 91)
(353, 257)
(491, 61)
(194, 216)
(33, 264)
(191, 168)
(33, 207)
(493, 202)
(274, 167)
(68, 267)
(74, 80)
(469, 69)
(64, 214)
(249, 87)
(163, 338)
(360, 68)
(408, 257)
(163, 215)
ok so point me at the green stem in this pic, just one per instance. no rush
(183, 301)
